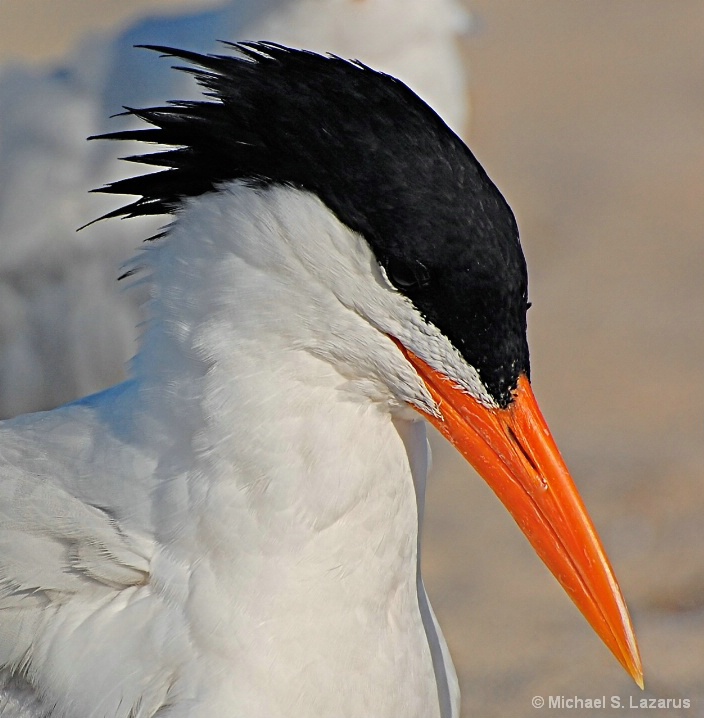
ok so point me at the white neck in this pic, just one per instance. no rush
(303, 474)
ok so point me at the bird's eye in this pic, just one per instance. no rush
(408, 275)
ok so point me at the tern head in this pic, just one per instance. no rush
(430, 259)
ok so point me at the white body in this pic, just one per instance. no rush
(234, 531)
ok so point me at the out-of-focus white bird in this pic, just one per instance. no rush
(234, 530)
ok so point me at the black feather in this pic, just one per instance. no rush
(379, 157)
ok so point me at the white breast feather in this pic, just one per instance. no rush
(237, 525)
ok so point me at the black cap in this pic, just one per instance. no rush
(382, 161)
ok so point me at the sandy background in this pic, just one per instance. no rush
(590, 117)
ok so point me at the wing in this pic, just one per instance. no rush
(53, 544)
(55, 551)
(75, 599)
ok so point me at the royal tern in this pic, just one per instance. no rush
(234, 530)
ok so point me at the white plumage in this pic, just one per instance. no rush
(138, 567)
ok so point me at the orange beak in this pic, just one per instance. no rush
(514, 452)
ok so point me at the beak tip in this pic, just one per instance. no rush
(636, 671)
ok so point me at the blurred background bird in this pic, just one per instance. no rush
(588, 115)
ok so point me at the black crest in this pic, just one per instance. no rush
(380, 159)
